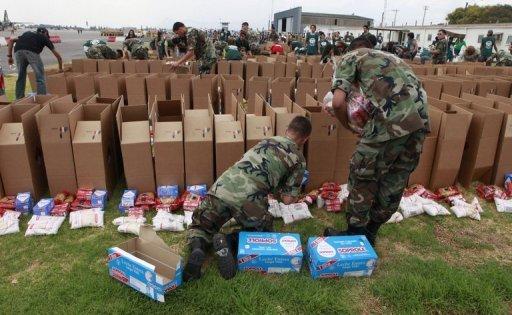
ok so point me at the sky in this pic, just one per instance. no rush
(209, 13)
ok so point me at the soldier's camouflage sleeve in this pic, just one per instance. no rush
(192, 39)
(345, 73)
(294, 181)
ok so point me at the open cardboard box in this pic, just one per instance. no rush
(280, 118)
(136, 89)
(305, 86)
(229, 143)
(181, 86)
(146, 264)
(202, 86)
(112, 85)
(86, 84)
(61, 84)
(281, 87)
(257, 85)
(158, 85)
(231, 85)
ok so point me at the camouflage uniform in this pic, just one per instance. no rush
(203, 49)
(392, 139)
(137, 47)
(219, 48)
(441, 46)
(100, 52)
(273, 36)
(254, 41)
(274, 166)
(503, 59)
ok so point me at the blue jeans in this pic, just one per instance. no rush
(23, 59)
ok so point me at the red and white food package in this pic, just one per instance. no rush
(165, 221)
(358, 111)
(86, 218)
(191, 201)
(123, 220)
(44, 225)
(9, 222)
(396, 217)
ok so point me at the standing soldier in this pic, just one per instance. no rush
(312, 41)
(198, 45)
(440, 49)
(273, 36)
(276, 166)
(391, 140)
(136, 48)
(325, 48)
(98, 49)
(487, 45)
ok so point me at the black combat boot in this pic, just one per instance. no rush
(333, 232)
(351, 230)
(371, 231)
(225, 258)
(195, 260)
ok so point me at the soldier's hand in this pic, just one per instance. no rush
(10, 61)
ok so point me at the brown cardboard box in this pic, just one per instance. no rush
(251, 70)
(104, 66)
(90, 65)
(502, 86)
(481, 143)
(432, 87)
(305, 86)
(266, 69)
(61, 84)
(56, 123)
(42, 100)
(328, 71)
(281, 87)
(181, 85)
(222, 67)
(155, 66)
(278, 58)
(133, 127)
(21, 163)
(291, 58)
(116, 66)
(280, 117)
(129, 66)
(257, 128)
(236, 67)
(421, 174)
(77, 65)
(112, 85)
(279, 69)
(323, 86)
(453, 130)
(93, 147)
(199, 165)
(291, 70)
(167, 120)
(322, 144)
(159, 85)
(231, 85)
(316, 70)
(451, 87)
(485, 86)
(86, 84)
(305, 70)
(141, 66)
(229, 145)
(203, 86)
(257, 85)
(136, 89)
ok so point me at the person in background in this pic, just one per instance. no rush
(487, 45)
(440, 48)
(2, 83)
(457, 47)
(380, 39)
(392, 139)
(312, 41)
(158, 44)
(274, 166)
(198, 46)
(425, 55)
(243, 44)
(224, 35)
(136, 48)
(231, 51)
(277, 48)
(131, 34)
(273, 36)
(27, 50)
(98, 49)
(326, 48)
(470, 54)
(411, 47)
(449, 52)
(366, 32)
(252, 37)
(503, 58)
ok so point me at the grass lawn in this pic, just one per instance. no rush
(426, 265)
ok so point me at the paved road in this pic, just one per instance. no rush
(70, 48)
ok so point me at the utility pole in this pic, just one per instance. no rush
(383, 13)
(394, 19)
(425, 8)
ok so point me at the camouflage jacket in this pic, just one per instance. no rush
(442, 47)
(274, 165)
(100, 52)
(200, 43)
(400, 103)
(503, 59)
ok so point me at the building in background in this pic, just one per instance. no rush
(296, 21)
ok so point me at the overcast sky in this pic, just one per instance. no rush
(208, 13)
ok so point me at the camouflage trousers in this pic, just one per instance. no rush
(140, 53)
(210, 217)
(100, 52)
(379, 172)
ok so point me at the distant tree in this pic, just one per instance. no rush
(475, 14)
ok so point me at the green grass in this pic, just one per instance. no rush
(426, 265)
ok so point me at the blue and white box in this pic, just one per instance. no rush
(341, 256)
(168, 191)
(44, 206)
(127, 200)
(146, 264)
(99, 198)
(199, 190)
(24, 202)
(269, 252)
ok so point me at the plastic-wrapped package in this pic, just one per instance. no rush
(123, 220)
(86, 218)
(44, 225)
(145, 200)
(165, 221)
(433, 208)
(8, 203)
(199, 190)
(503, 205)
(127, 200)
(24, 202)
(99, 198)
(396, 218)
(44, 207)
(273, 208)
(188, 218)
(60, 210)
(463, 209)
(130, 227)
(358, 111)
(9, 222)
(191, 201)
(411, 206)
(294, 212)
(63, 197)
